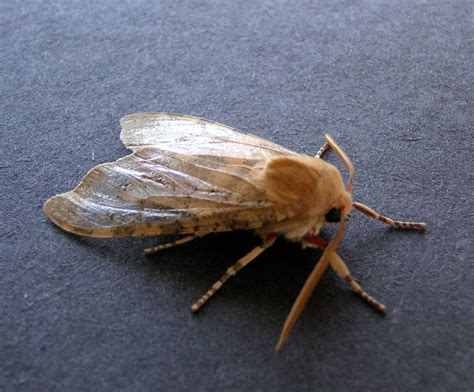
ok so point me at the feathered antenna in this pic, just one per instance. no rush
(345, 159)
(309, 286)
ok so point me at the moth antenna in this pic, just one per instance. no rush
(308, 287)
(344, 158)
(389, 221)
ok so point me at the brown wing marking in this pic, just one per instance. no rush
(194, 136)
(155, 192)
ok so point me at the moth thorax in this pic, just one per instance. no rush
(302, 190)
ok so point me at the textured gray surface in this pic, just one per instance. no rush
(392, 82)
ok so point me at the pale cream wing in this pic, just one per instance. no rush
(152, 192)
(193, 136)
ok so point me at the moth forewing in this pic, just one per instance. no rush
(194, 136)
(156, 192)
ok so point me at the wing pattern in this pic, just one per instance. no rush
(186, 175)
(194, 136)
(152, 192)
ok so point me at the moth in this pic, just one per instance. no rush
(191, 176)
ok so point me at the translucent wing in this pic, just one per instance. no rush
(154, 191)
(193, 136)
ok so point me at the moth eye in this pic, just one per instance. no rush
(333, 216)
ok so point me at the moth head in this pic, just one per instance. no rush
(340, 209)
(333, 200)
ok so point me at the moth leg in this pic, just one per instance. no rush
(341, 270)
(322, 150)
(155, 249)
(232, 271)
(389, 221)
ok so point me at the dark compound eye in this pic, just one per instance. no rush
(333, 216)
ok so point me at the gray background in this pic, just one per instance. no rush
(392, 83)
